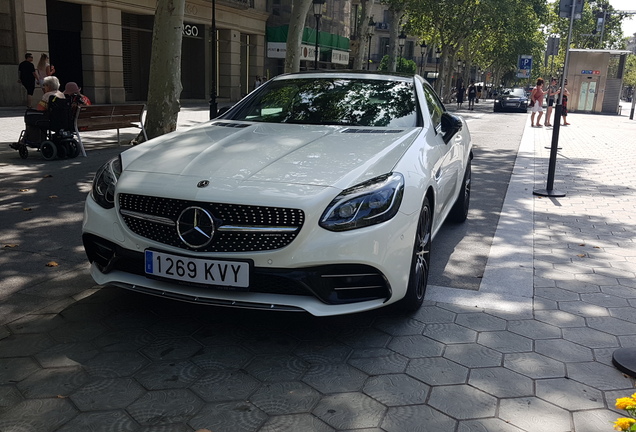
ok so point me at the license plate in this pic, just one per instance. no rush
(235, 274)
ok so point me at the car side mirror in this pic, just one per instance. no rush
(224, 109)
(451, 124)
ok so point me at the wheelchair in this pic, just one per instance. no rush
(50, 132)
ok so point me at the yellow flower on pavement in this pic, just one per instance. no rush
(625, 403)
(623, 424)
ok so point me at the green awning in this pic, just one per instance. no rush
(327, 40)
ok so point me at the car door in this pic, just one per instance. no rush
(449, 160)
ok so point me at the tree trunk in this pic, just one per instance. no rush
(394, 31)
(362, 36)
(300, 8)
(164, 88)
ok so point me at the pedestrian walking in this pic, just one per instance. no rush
(461, 91)
(564, 109)
(553, 93)
(44, 68)
(27, 77)
(472, 95)
(536, 99)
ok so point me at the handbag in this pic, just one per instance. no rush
(531, 103)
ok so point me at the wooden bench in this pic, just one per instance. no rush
(106, 117)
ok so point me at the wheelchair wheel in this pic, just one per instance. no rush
(73, 149)
(23, 151)
(48, 150)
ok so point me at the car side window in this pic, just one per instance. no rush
(435, 106)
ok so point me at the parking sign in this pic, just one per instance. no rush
(524, 66)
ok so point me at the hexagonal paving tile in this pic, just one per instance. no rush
(172, 348)
(9, 395)
(480, 321)
(416, 346)
(450, 333)
(534, 365)
(77, 331)
(563, 350)
(559, 318)
(534, 329)
(534, 414)
(168, 374)
(501, 382)
(583, 309)
(67, 354)
(24, 345)
(115, 364)
(416, 418)
(326, 352)
(463, 401)
(437, 371)
(131, 339)
(225, 385)
(16, 369)
(236, 416)
(473, 355)
(598, 376)
(332, 378)
(50, 383)
(434, 314)
(398, 325)
(165, 407)
(174, 328)
(41, 415)
(349, 411)
(289, 397)
(380, 361)
(364, 337)
(296, 423)
(593, 420)
(107, 394)
(590, 338)
(394, 390)
(604, 300)
(277, 367)
(569, 394)
(101, 421)
(505, 341)
(36, 323)
(221, 357)
(486, 425)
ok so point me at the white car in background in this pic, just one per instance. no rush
(318, 192)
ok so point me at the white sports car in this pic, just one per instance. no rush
(318, 192)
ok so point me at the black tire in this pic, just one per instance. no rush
(48, 150)
(74, 149)
(420, 263)
(23, 151)
(459, 212)
(62, 150)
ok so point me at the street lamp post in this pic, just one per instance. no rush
(317, 13)
(423, 62)
(371, 27)
(213, 105)
(459, 64)
(401, 42)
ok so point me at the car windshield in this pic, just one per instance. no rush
(518, 92)
(331, 101)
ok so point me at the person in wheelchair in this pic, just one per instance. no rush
(49, 127)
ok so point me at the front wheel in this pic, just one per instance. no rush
(48, 150)
(420, 263)
(459, 211)
(23, 151)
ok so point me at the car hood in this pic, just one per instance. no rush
(272, 153)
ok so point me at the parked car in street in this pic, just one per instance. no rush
(318, 192)
(515, 99)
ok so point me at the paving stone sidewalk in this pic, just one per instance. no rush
(531, 351)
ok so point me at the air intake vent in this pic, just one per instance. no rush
(232, 125)
(373, 131)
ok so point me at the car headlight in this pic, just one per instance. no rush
(369, 203)
(103, 191)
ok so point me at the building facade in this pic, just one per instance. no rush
(105, 45)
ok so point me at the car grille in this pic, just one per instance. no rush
(239, 228)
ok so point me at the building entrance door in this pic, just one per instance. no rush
(587, 95)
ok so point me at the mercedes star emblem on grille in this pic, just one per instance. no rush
(195, 227)
(203, 183)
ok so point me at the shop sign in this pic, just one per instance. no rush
(279, 50)
(191, 30)
(340, 57)
(590, 72)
